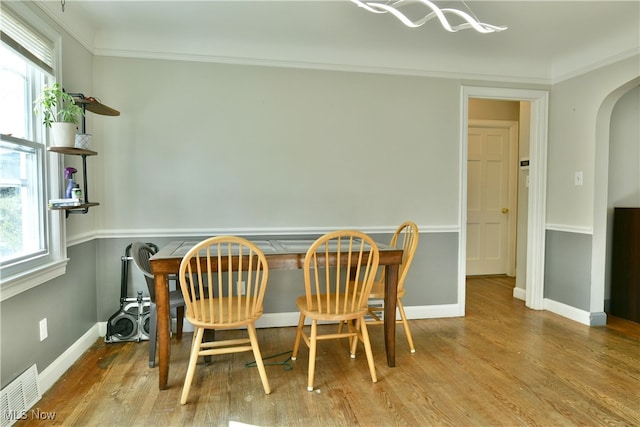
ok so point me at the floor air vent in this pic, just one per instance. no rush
(19, 396)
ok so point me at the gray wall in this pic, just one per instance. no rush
(432, 279)
(67, 302)
(567, 277)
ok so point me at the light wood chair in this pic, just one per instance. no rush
(406, 236)
(337, 292)
(140, 253)
(232, 273)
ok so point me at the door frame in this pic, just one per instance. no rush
(512, 191)
(539, 99)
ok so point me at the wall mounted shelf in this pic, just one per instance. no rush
(95, 106)
(84, 207)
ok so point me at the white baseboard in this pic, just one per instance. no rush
(568, 311)
(519, 293)
(433, 311)
(54, 371)
(279, 320)
(102, 328)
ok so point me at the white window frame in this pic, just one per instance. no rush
(30, 273)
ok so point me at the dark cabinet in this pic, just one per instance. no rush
(625, 264)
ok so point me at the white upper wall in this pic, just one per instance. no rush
(574, 108)
(201, 145)
(624, 152)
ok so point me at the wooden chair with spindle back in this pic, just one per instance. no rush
(231, 272)
(339, 269)
(405, 236)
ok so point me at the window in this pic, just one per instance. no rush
(32, 248)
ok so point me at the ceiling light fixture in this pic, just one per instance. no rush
(436, 12)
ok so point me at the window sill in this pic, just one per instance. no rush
(17, 284)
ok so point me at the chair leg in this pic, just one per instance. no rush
(296, 344)
(353, 341)
(367, 349)
(179, 321)
(209, 336)
(251, 328)
(193, 359)
(153, 334)
(405, 324)
(313, 343)
(341, 325)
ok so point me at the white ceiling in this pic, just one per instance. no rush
(547, 41)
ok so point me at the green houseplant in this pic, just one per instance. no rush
(60, 113)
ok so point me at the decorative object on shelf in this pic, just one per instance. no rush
(83, 141)
(89, 103)
(68, 175)
(76, 193)
(64, 203)
(60, 113)
(470, 20)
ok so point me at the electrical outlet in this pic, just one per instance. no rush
(243, 288)
(44, 333)
(578, 178)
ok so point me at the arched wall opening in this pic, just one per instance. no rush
(602, 211)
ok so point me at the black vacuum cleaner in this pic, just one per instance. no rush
(131, 321)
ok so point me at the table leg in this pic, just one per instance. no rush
(162, 306)
(390, 297)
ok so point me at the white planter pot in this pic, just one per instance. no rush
(83, 141)
(64, 134)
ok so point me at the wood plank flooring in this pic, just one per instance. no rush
(500, 365)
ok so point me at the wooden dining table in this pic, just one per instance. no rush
(281, 253)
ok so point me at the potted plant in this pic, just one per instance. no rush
(60, 113)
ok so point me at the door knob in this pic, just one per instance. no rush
(505, 210)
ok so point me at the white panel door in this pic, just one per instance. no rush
(488, 201)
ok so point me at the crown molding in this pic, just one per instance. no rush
(621, 56)
(265, 62)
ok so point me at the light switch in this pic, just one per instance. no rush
(578, 178)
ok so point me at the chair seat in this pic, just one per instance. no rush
(226, 316)
(313, 312)
(377, 291)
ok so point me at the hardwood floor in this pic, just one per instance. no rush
(500, 365)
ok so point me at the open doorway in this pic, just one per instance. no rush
(535, 161)
(493, 211)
